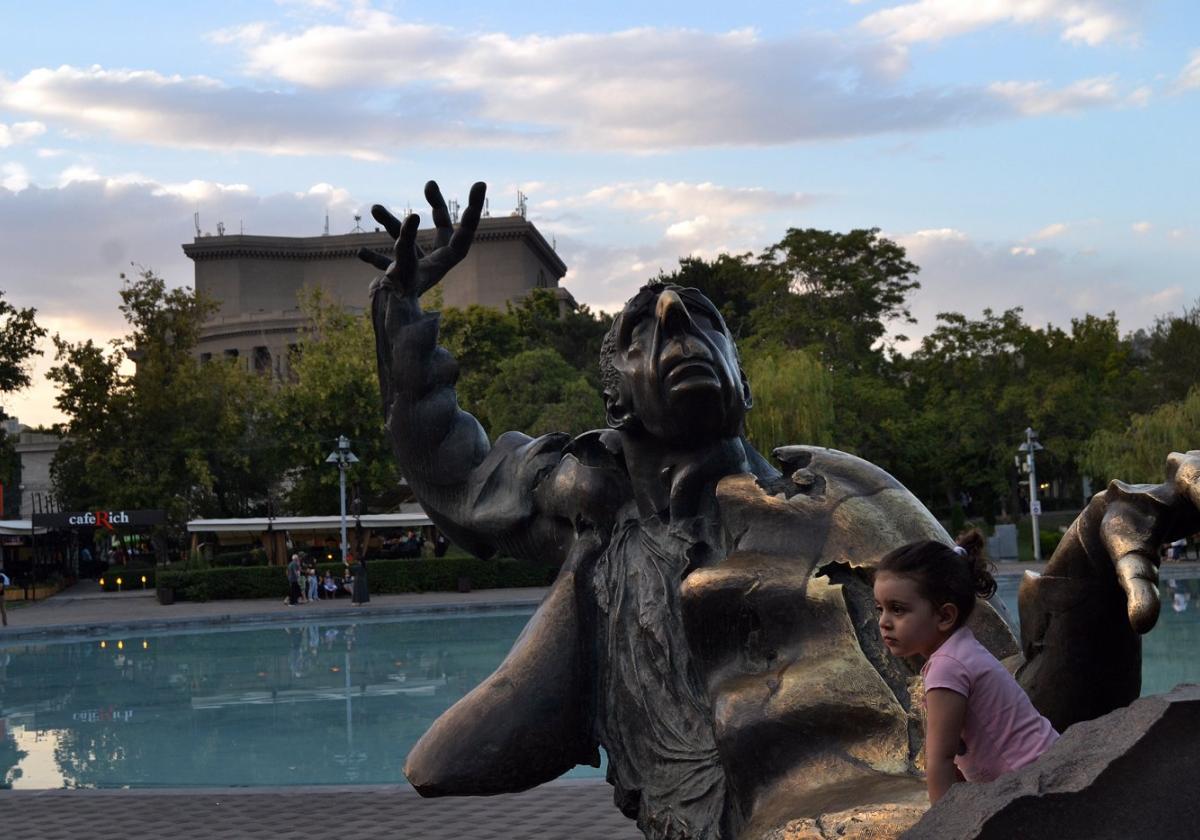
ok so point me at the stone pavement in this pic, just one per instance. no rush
(84, 610)
(567, 810)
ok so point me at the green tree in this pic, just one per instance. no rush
(841, 292)
(1138, 453)
(19, 337)
(334, 390)
(537, 391)
(793, 399)
(173, 434)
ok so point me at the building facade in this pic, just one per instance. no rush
(257, 281)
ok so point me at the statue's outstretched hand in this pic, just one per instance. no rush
(411, 272)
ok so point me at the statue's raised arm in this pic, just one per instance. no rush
(480, 495)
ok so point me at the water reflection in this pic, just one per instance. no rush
(297, 704)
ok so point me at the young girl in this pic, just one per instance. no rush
(976, 715)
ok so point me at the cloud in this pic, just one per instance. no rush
(1038, 98)
(1189, 76)
(1085, 21)
(373, 84)
(1141, 227)
(11, 135)
(65, 246)
(197, 112)
(15, 177)
(1050, 231)
(961, 274)
(681, 199)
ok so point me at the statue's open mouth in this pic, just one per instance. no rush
(689, 372)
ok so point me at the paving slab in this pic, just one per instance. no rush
(568, 810)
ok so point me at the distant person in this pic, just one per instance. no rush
(328, 586)
(979, 723)
(440, 545)
(4, 584)
(311, 578)
(293, 577)
(359, 594)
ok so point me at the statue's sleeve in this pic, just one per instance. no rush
(482, 496)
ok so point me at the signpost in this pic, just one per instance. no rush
(1029, 447)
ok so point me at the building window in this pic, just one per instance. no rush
(231, 353)
(262, 360)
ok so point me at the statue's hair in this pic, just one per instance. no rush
(610, 379)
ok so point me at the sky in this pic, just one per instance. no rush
(1033, 153)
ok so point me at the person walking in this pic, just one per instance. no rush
(293, 576)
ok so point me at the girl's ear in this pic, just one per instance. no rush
(946, 616)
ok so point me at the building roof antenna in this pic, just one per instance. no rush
(326, 233)
(454, 211)
(358, 228)
(196, 221)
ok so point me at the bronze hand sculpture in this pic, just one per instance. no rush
(712, 624)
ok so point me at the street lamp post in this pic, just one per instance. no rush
(1029, 447)
(343, 457)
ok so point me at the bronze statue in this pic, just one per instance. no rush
(712, 625)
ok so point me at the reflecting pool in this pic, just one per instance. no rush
(306, 703)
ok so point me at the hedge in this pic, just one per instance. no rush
(385, 577)
(131, 578)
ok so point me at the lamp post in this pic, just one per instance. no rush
(343, 457)
(1029, 447)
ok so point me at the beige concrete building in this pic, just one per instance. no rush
(36, 451)
(256, 280)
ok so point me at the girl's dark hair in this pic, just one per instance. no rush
(943, 575)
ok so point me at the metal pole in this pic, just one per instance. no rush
(343, 444)
(1033, 495)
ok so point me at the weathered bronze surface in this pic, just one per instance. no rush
(712, 626)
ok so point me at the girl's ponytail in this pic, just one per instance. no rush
(972, 542)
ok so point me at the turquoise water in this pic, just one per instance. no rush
(318, 703)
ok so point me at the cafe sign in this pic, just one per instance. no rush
(106, 519)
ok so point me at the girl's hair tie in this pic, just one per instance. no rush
(960, 551)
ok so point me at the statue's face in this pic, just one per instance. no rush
(679, 370)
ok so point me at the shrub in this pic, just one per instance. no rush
(386, 577)
(130, 578)
(1049, 541)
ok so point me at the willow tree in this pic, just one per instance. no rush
(793, 399)
(1136, 454)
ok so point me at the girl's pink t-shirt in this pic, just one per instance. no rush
(1003, 731)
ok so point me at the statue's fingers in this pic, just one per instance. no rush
(406, 241)
(1138, 576)
(384, 216)
(460, 243)
(441, 215)
(376, 259)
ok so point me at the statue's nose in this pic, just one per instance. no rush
(672, 313)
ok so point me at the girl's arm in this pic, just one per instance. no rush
(945, 714)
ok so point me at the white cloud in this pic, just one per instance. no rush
(1088, 21)
(683, 199)
(1037, 98)
(1141, 227)
(11, 135)
(15, 177)
(1050, 231)
(202, 113)
(1189, 76)
(961, 274)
